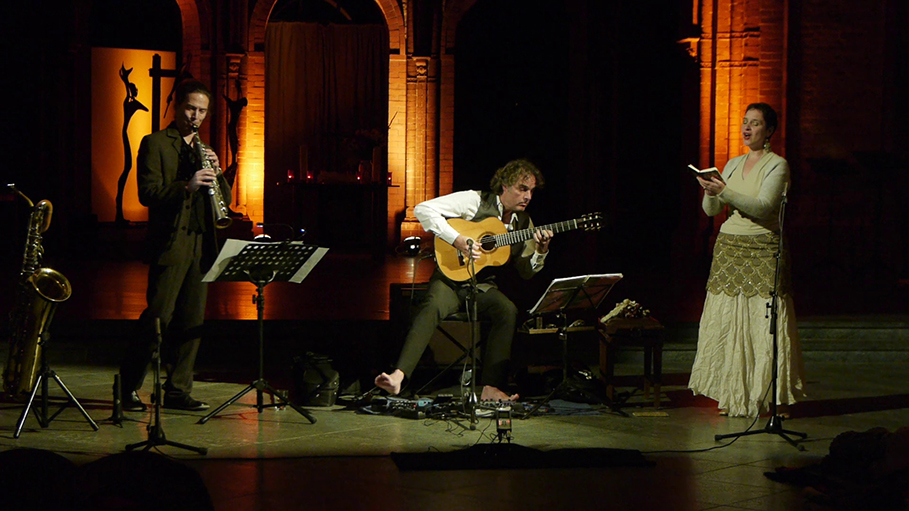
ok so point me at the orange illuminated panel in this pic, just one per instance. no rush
(117, 95)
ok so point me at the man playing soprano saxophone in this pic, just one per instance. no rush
(181, 247)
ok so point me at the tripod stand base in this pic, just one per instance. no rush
(259, 386)
(43, 420)
(155, 431)
(775, 427)
(156, 437)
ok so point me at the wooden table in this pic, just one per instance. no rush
(646, 333)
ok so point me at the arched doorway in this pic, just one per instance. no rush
(272, 197)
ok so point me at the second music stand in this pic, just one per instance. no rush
(262, 263)
(584, 292)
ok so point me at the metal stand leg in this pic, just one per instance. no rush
(775, 424)
(260, 384)
(155, 431)
(565, 385)
(470, 401)
(42, 382)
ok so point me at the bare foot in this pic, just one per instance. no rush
(491, 393)
(390, 383)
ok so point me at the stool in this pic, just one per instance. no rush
(402, 298)
(646, 333)
(461, 344)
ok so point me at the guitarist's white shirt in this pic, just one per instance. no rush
(433, 215)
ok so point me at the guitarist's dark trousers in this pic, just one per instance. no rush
(444, 298)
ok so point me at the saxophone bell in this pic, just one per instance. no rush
(39, 291)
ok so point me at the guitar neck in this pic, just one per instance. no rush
(510, 238)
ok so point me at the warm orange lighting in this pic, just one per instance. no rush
(109, 106)
(250, 186)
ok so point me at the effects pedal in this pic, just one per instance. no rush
(503, 424)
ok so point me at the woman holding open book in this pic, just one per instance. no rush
(734, 357)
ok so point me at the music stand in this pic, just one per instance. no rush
(584, 292)
(262, 263)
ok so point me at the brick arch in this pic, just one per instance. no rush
(454, 11)
(253, 68)
(194, 31)
(394, 20)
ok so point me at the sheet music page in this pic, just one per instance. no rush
(563, 289)
(308, 265)
(231, 248)
(279, 255)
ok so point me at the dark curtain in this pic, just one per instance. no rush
(326, 104)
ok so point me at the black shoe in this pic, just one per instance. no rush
(183, 402)
(132, 403)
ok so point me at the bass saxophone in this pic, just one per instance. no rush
(218, 205)
(38, 292)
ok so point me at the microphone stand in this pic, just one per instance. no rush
(775, 424)
(471, 401)
(156, 435)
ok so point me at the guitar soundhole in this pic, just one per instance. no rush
(488, 243)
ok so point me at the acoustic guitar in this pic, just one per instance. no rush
(494, 241)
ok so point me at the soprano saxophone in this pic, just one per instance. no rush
(218, 204)
(38, 292)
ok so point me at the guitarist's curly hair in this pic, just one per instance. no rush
(513, 172)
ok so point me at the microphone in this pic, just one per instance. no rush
(470, 249)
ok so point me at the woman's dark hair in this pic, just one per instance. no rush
(770, 118)
(513, 172)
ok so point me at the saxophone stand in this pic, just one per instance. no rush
(775, 424)
(583, 293)
(155, 431)
(41, 381)
(262, 263)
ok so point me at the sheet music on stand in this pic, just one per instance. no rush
(580, 292)
(291, 261)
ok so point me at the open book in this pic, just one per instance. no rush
(706, 173)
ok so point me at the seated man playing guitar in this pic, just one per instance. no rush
(512, 188)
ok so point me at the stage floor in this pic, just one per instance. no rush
(277, 459)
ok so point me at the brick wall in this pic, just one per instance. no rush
(839, 97)
(742, 60)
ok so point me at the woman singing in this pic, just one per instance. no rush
(735, 346)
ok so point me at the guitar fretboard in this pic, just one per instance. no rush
(510, 238)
